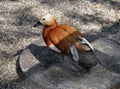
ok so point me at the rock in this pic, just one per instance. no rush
(109, 54)
(44, 69)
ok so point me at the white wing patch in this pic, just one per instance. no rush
(84, 41)
(74, 52)
(54, 48)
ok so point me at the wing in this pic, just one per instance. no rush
(63, 36)
(83, 43)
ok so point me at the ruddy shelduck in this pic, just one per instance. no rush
(65, 40)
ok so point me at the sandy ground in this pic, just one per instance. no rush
(95, 18)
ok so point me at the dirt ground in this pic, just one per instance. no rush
(95, 18)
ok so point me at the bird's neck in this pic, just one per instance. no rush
(50, 27)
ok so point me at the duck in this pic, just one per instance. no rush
(67, 41)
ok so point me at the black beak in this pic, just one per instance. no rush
(37, 24)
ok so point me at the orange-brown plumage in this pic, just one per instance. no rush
(62, 35)
(63, 38)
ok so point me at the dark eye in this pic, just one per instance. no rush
(43, 19)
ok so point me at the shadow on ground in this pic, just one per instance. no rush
(106, 30)
(50, 65)
(24, 17)
(47, 57)
(114, 4)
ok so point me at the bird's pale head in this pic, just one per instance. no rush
(47, 20)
